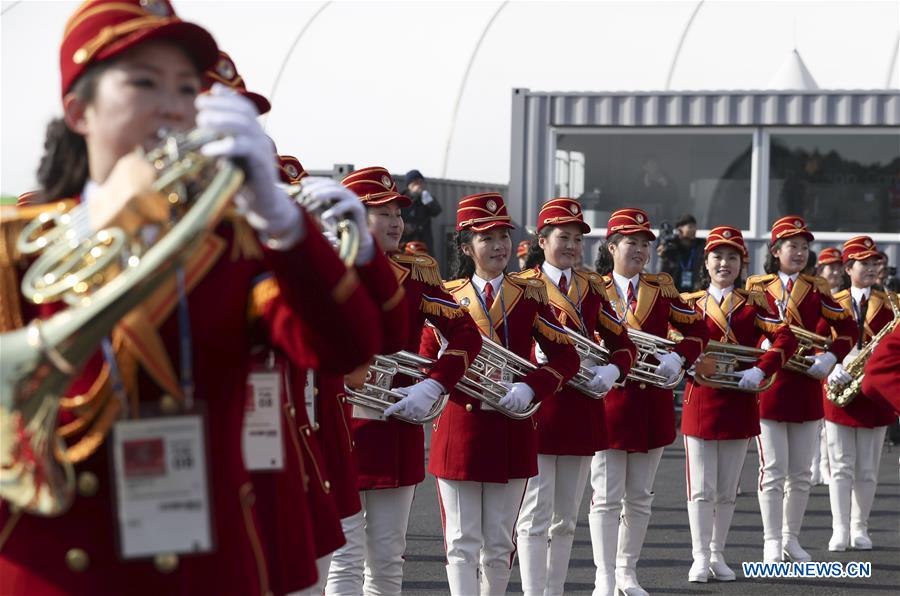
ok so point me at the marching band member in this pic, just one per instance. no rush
(856, 432)
(128, 69)
(717, 423)
(882, 372)
(828, 265)
(390, 453)
(640, 419)
(481, 457)
(791, 408)
(571, 426)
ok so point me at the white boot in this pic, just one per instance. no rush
(718, 568)
(558, 564)
(632, 532)
(863, 498)
(839, 495)
(770, 508)
(532, 553)
(700, 515)
(604, 537)
(794, 509)
(494, 580)
(463, 579)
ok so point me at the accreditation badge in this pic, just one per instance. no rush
(687, 280)
(162, 485)
(262, 442)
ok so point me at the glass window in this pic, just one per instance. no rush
(837, 182)
(666, 173)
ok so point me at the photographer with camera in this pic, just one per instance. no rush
(681, 252)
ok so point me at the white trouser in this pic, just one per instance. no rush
(622, 483)
(371, 561)
(785, 473)
(550, 512)
(712, 473)
(820, 468)
(322, 565)
(855, 455)
(479, 527)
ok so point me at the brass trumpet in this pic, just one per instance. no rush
(376, 393)
(810, 343)
(729, 360)
(844, 393)
(345, 233)
(103, 277)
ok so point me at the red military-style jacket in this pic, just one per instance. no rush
(795, 397)
(391, 453)
(863, 411)
(76, 552)
(744, 319)
(882, 372)
(641, 417)
(573, 423)
(332, 426)
(473, 442)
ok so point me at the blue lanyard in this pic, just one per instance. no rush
(185, 341)
(689, 265)
(488, 315)
(577, 307)
(118, 387)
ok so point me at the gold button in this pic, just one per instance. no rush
(315, 391)
(77, 560)
(80, 56)
(316, 426)
(643, 385)
(468, 407)
(168, 404)
(353, 444)
(327, 486)
(343, 399)
(166, 562)
(306, 431)
(88, 484)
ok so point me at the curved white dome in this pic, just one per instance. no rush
(400, 84)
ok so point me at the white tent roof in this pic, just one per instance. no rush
(427, 84)
(793, 75)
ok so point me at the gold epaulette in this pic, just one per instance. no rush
(527, 273)
(821, 284)
(550, 331)
(455, 284)
(596, 284)
(262, 293)
(758, 283)
(534, 288)
(692, 297)
(423, 268)
(664, 281)
(843, 294)
(754, 298)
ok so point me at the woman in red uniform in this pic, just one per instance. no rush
(571, 426)
(482, 458)
(640, 418)
(391, 453)
(856, 432)
(130, 68)
(717, 424)
(790, 410)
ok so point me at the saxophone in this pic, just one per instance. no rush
(844, 393)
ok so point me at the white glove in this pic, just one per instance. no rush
(604, 377)
(822, 365)
(426, 197)
(539, 354)
(268, 208)
(839, 375)
(418, 401)
(670, 365)
(751, 378)
(343, 203)
(518, 397)
(766, 344)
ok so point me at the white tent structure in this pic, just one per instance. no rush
(427, 84)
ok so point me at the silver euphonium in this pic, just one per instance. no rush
(588, 350)
(492, 369)
(102, 277)
(649, 348)
(376, 392)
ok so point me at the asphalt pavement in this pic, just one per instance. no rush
(666, 556)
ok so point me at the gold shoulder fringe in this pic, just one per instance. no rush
(665, 283)
(755, 298)
(438, 309)
(549, 332)
(423, 268)
(534, 288)
(596, 285)
(758, 282)
(609, 324)
(684, 318)
(692, 297)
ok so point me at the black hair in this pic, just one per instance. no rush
(772, 265)
(685, 219)
(810, 268)
(535, 256)
(63, 170)
(706, 280)
(604, 263)
(462, 265)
